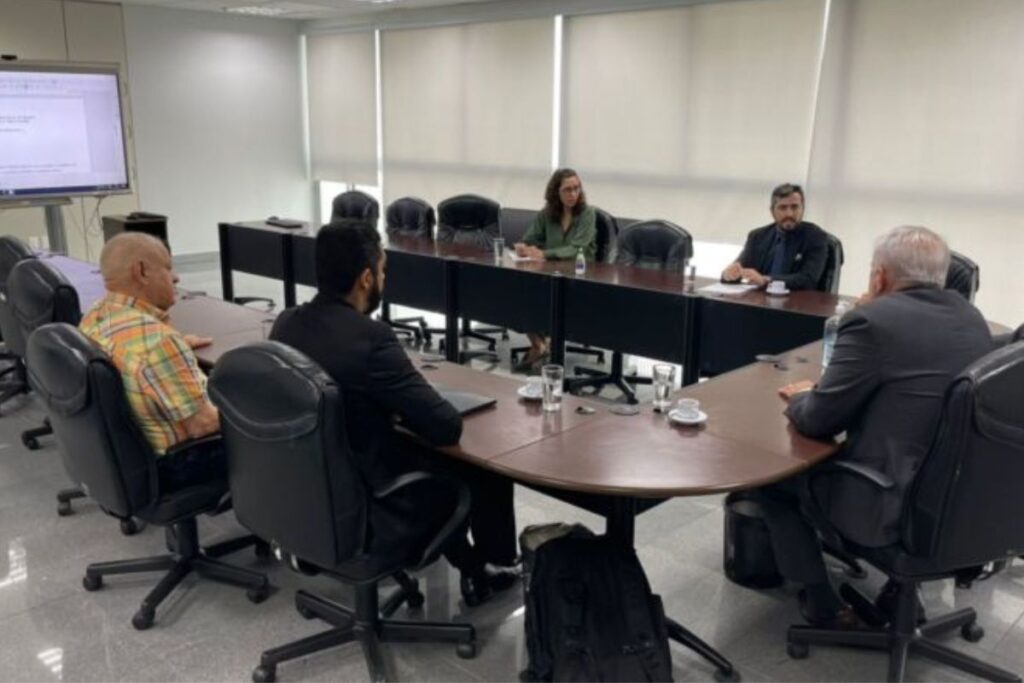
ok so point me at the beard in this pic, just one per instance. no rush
(374, 297)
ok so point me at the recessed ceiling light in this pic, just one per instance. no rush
(260, 11)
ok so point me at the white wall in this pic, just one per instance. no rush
(218, 120)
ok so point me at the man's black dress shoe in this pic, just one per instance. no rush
(478, 588)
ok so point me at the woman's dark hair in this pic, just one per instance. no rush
(552, 200)
(344, 249)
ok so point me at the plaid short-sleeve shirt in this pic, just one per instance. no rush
(162, 379)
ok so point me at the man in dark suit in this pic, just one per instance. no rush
(379, 384)
(789, 249)
(894, 357)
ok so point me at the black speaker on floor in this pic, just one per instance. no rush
(150, 223)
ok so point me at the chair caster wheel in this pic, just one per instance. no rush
(64, 508)
(264, 674)
(971, 632)
(727, 675)
(305, 612)
(30, 442)
(415, 600)
(92, 583)
(143, 619)
(466, 650)
(257, 595)
(797, 650)
(129, 527)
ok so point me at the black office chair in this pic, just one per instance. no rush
(655, 244)
(355, 204)
(410, 217)
(107, 455)
(294, 483)
(38, 294)
(829, 281)
(514, 224)
(604, 252)
(963, 509)
(964, 275)
(473, 220)
(12, 251)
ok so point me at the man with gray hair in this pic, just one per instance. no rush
(894, 357)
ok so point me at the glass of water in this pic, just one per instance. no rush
(552, 376)
(499, 248)
(664, 379)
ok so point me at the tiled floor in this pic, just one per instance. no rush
(51, 629)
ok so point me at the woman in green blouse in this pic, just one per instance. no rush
(563, 228)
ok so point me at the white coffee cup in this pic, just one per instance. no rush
(777, 287)
(535, 386)
(688, 408)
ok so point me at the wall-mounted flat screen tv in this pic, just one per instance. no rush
(61, 131)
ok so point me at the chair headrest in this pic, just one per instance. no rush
(38, 293)
(997, 380)
(410, 215)
(58, 359)
(355, 204)
(468, 212)
(290, 412)
(12, 250)
(655, 242)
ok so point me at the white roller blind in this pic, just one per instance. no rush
(468, 109)
(920, 121)
(341, 74)
(692, 114)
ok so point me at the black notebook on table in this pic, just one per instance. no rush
(464, 401)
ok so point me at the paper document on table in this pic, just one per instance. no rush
(516, 258)
(726, 288)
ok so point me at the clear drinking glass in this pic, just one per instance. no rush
(664, 379)
(553, 376)
(499, 248)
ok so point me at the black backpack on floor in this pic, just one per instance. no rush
(590, 613)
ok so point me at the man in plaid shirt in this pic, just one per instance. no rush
(162, 380)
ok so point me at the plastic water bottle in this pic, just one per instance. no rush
(581, 262)
(831, 332)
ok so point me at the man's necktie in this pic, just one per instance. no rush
(778, 256)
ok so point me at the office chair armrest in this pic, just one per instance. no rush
(871, 475)
(457, 519)
(203, 443)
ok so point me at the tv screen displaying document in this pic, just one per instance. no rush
(61, 131)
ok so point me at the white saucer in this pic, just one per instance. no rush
(784, 292)
(525, 393)
(701, 418)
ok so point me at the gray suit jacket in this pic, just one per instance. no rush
(893, 361)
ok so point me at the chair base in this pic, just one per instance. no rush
(188, 558)
(30, 437)
(598, 354)
(365, 625)
(18, 385)
(903, 638)
(591, 378)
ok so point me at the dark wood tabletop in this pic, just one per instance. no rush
(511, 423)
(747, 441)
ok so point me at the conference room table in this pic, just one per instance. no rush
(615, 465)
(638, 311)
